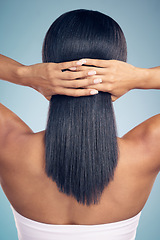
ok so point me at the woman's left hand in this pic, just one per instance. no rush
(117, 77)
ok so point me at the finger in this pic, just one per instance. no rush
(66, 65)
(76, 92)
(88, 68)
(80, 68)
(67, 75)
(80, 83)
(98, 62)
(99, 87)
(103, 87)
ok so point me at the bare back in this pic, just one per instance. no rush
(37, 197)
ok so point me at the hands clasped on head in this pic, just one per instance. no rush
(111, 76)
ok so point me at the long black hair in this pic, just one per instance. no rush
(80, 139)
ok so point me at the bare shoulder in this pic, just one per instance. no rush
(13, 131)
(11, 126)
(10, 121)
(146, 139)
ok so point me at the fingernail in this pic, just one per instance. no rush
(91, 72)
(80, 62)
(72, 68)
(83, 61)
(98, 80)
(93, 92)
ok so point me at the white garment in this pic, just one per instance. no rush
(31, 230)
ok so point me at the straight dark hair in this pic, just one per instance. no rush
(80, 138)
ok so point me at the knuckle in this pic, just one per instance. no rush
(60, 65)
(72, 75)
(91, 81)
(85, 73)
(111, 79)
(109, 87)
(75, 84)
(91, 86)
(88, 87)
(79, 68)
(75, 75)
(50, 68)
(67, 75)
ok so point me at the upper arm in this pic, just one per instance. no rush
(147, 136)
(11, 127)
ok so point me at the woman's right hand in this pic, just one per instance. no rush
(50, 79)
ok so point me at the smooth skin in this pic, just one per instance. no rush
(22, 152)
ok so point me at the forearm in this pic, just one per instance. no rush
(10, 70)
(148, 78)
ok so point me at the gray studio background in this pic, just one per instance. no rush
(23, 25)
